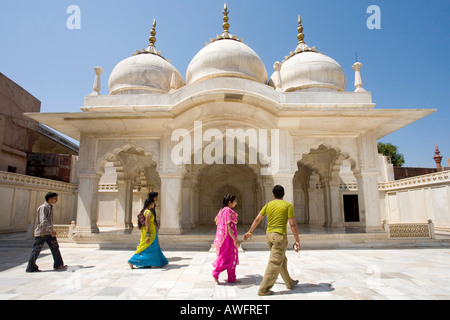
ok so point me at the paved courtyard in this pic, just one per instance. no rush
(323, 274)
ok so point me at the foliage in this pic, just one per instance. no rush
(390, 150)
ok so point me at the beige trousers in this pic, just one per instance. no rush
(277, 263)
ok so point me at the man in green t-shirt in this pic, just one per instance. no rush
(278, 213)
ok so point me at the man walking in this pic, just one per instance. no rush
(278, 213)
(44, 232)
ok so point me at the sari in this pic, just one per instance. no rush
(227, 252)
(148, 254)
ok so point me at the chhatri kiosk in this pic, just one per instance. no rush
(229, 128)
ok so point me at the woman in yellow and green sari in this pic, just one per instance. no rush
(148, 253)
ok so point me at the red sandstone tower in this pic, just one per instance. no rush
(437, 157)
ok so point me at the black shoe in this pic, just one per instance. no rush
(31, 271)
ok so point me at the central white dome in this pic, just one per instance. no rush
(226, 58)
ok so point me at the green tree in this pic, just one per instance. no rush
(388, 149)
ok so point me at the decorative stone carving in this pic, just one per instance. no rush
(97, 85)
(358, 80)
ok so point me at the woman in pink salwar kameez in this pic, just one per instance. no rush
(226, 240)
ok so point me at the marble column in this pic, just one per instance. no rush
(335, 205)
(187, 208)
(369, 201)
(125, 204)
(367, 181)
(171, 199)
(326, 203)
(313, 219)
(87, 213)
(88, 178)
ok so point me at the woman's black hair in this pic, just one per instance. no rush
(228, 198)
(147, 202)
(153, 194)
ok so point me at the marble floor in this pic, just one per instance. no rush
(362, 274)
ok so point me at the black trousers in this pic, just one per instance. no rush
(37, 247)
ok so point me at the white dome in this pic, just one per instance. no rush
(309, 71)
(226, 58)
(144, 73)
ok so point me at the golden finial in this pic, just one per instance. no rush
(225, 24)
(300, 35)
(152, 38)
(301, 46)
(151, 47)
(225, 34)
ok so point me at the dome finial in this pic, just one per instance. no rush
(300, 35)
(302, 46)
(225, 34)
(225, 24)
(152, 39)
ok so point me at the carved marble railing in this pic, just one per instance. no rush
(348, 186)
(113, 187)
(442, 177)
(64, 231)
(107, 187)
(15, 178)
(409, 230)
(24, 194)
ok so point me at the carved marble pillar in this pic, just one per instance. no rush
(313, 216)
(125, 204)
(358, 80)
(88, 177)
(277, 67)
(369, 201)
(187, 208)
(326, 203)
(96, 87)
(367, 180)
(87, 213)
(335, 204)
(171, 200)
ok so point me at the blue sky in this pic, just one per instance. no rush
(405, 63)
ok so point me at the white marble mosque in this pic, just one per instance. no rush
(230, 127)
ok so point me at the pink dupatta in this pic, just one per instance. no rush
(225, 215)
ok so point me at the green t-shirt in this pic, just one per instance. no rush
(278, 212)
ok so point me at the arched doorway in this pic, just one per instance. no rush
(317, 186)
(204, 187)
(128, 175)
(215, 181)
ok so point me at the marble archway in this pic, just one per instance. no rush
(129, 168)
(316, 186)
(206, 185)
